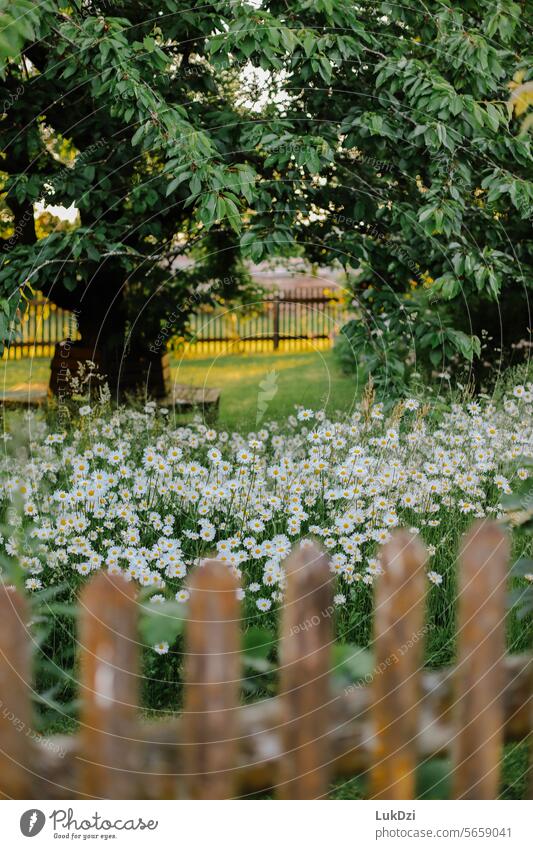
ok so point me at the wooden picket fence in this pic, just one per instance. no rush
(302, 319)
(286, 320)
(42, 325)
(293, 744)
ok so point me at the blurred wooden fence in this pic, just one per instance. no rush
(301, 319)
(293, 744)
(43, 324)
(286, 321)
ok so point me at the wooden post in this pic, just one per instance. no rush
(305, 663)
(479, 679)
(109, 689)
(275, 335)
(530, 743)
(15, 716)
(398, 640)
(212, 684)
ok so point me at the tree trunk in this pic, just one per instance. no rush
(100, 315)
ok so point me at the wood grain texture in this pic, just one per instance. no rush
(212, 684)
(15, 694)
(305, 663)
(109, 689)
(260, 746)
(479, 674)
(300, 739)
(398, 643)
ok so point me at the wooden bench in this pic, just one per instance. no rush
(23, 395)
(186, 398)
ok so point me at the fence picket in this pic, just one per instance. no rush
(212, 683)
(15, 717)
(109, 689)
(530, 746)
(297, 740)
(398, 640)
(305, 663)
(479, 673)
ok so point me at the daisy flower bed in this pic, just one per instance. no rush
(132, 492)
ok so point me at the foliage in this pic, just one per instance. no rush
(438, 191)
(259, 650)
(125, 118)
(352, 665)
(371, 135)
(396, 334)
(161, 622)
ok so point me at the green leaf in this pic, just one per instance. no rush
(352, 664)
(463, 342)
(195, 185)
(176, 182)
(233, 215)
(137, 136)
(161, 622)
(258, 642)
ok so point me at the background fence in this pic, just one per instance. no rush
(295, 743)
(285, 320)
(43, 325)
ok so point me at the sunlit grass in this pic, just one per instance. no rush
(28, 371)
(312, 379)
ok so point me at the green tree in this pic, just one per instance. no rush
(398, 156)
(427, 197)
(114, 107)
(373, 135)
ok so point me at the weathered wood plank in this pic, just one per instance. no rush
(305, 664)
(479, 674)
(109, 689)
(398, 641)
(15, 692)
(212, 683)
(260, 742)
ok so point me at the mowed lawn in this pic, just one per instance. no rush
(268, 386)
(255, 387)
